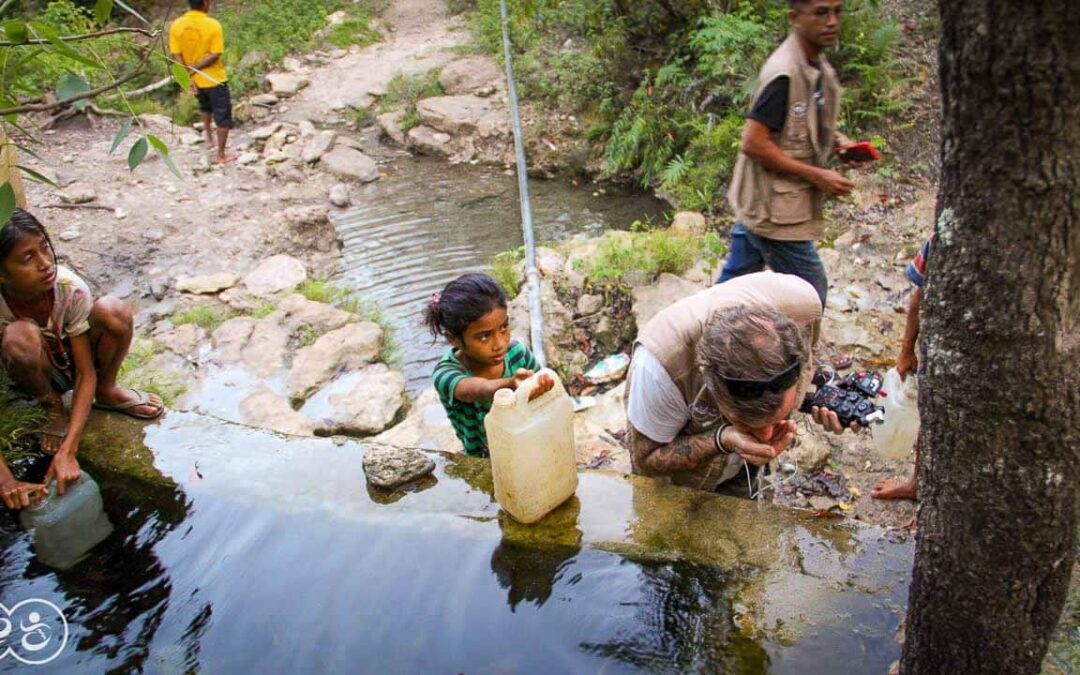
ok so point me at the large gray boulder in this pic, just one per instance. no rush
(469, 74)
(427, 141)
(350, 163)
(275, 274)
(348, 348)
(664, 292)
(453, 114)
(358, 404)
(388, 467)
(266, 410)
(318, 145)
(286, 84)
(296, 311)
(390, 125)
(207, 284)
(426, 427)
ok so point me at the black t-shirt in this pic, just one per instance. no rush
(772, 106)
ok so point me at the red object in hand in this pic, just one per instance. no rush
(859, 152)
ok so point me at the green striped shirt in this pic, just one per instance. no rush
(468, 418)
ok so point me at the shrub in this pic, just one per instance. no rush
(18, 419)
(648, 253)
(504, 270)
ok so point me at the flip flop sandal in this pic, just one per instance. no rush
(128, 407)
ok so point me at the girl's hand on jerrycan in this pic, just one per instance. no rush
(544, 383)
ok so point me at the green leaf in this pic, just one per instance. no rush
(127, 8)
(125, 129)
(34, 175)
(163, 150)
(70, 86)
(27, 150)
(102, 11)
(7, 203)
(137, 153)
(16, 31)
(181, 75)
(50, 34)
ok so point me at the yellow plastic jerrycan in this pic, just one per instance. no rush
(532, 449)
(895, 437)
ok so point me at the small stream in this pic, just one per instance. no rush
(426, 222)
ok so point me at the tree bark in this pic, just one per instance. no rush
(1000, 401)
(9, 171)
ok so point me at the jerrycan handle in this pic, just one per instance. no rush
(525, 389)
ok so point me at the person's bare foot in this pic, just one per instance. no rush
(891, 488)
(226, 158)
(54, 430)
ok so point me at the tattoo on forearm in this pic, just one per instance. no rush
(685, 453)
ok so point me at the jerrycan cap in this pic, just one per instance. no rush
(504, 398)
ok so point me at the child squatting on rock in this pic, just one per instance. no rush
(482, 359)
(55, 338)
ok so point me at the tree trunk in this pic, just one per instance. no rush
(1000, 401)
(8, 170)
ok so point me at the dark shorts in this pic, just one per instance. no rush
(216, 100)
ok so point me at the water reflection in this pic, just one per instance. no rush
(531, 559)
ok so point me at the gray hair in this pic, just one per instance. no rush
(749, 343)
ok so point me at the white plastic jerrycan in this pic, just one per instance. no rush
(895, 437)
(532, 449)
(66, 528)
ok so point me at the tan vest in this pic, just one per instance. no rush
(672, 337)
(782, 206)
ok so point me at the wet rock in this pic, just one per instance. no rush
(78, 193)
(296, 311)
(650, 300)
(358, 404)
(264, 353)
(688, 222)
(428, 141)
(589, 304)
(349, 163)
(265, 100)
(388, 467)
(310, 227)
(822, 503)
(306, 216)
(348, 348)
(339, 195)
(810, 453)
(549, 262)
(183, 340)
(275, 274)
(207, 284)
(426, 427)
(466, 75)
(231, 337)
(267, 410)
(453, 115)
(390, 126)
(266, 132)
(286, 84)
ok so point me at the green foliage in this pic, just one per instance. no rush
(504, 270)
(404, 91)
(364, 117)
(664, 84)
(647, 253)
(207, 317)
(354, 30)
(324, 291)
(137, 373)
(306, 336)
(184, 110)
(18, 418)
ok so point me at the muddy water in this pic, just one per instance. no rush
(241, 551)
(425, 223)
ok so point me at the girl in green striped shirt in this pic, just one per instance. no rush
(471, 314)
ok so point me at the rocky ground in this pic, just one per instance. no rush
(214, 260)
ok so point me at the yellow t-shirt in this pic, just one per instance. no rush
(193, 36)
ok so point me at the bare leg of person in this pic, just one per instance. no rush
(894, 489)
(24, 357)
(208, 129)
(222, 140)
(112, 328)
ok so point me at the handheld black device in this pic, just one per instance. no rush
(851, 398)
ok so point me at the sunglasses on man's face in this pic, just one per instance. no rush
(778, 383)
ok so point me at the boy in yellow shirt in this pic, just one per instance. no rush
(196, 41)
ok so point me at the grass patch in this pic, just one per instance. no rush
(18, 419)
(504, 270)
(136, 373)
(306, 336)
(403, 92)
(355, 30)
(185, 110)
(207, 317)
(643, 255)
(364, 117)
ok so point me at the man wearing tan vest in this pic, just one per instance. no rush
(715, 377)
(780, 181)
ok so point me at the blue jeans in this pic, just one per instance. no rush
(751, 253)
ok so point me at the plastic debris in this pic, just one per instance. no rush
(611, 369)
